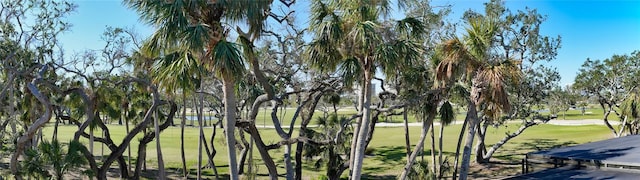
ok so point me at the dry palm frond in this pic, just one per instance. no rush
(454, 55)
(494, 88)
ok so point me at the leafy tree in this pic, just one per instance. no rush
(174, 72)
(557, 101)
(518, 37)
(188, 27)
(348, 32)
(486, 76)
(609, 81)
(29, 41)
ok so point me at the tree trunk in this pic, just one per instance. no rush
(455, 163)
(440, 134)
(10, 118)
(199, 114)
(91, 139)
(230, 125)
(406, 133)
(607, 111)
(156, 126)
(126, 125)
(55, 129)
(466, 152)
(102, 144)
(243, 153)
(299, 148)
(332, 172)
(182, 122)
(146, 139)
(264, 153)
(142, 155)
(480, 145)
(195, 106)
(434, 166)
(185, 171)
(364, 128)
(489, 153)
(250, 165)
(144, 160)
(306, 118)
(287, 161)
(417, 149)
(213, 150)
(624, 123)
(209, 154)
(356, 130)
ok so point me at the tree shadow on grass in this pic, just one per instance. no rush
(175, 173)
(379, 177)
(389, 154)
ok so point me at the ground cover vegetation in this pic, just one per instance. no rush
(220, 80)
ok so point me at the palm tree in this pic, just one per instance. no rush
(486, 74)
(184, 73)
(190, 27)
(417, 90)
(51, 155)
(426, 111)
(630, 109)
(350, 30)
(447, 116)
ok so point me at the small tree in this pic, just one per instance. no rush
(50, 156)
(332, 129)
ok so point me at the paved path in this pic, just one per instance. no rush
(552, 122)
(581, 122)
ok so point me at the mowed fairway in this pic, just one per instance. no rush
(286, 115)
(387, 144)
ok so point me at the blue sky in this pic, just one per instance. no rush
(595, 29)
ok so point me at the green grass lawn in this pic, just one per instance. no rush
(286, 115)
(387, 145)
(576, 114)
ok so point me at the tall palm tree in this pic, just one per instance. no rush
(487, 75)
(185, 73)
(350, 30)
(193, 26)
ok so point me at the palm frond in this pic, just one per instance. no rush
(167, 17)
(631, 106)
(447, 115)
(227, 60)
(411, 26)
(252, 12)
(480, 35)
(495, 92)
(74, 157)
(395, 55)
(364, 36)
(454, 56)
(178, 69)
(351, 71)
